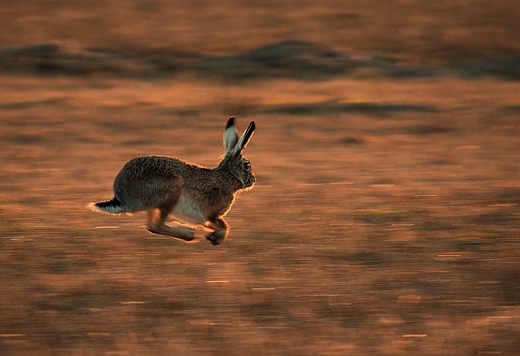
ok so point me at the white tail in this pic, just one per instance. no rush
(113, 206)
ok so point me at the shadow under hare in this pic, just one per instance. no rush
(164, 186)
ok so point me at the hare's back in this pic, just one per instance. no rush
(149, 181)
(148, 167)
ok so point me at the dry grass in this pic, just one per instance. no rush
(369, 231)
(443, 31)
(385, 219)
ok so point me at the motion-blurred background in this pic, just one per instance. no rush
(385, 218)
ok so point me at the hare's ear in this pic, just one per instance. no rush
(230, 134)
(244, 139)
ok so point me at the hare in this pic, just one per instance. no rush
(165, 186)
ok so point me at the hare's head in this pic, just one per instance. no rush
(234, 162)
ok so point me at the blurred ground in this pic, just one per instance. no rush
(385, 219)
(441, 31)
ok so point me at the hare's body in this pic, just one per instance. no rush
(194, 193)
(166, 186)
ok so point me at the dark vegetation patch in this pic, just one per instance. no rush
(507, 68)
(290, 59)
(351, 140)
(368, 108)
(428, 129)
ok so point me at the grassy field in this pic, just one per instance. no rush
(385, 218)
(421, 30)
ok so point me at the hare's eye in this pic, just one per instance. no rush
(246, 165)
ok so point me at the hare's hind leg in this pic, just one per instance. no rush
(221, 231)
(156, 219)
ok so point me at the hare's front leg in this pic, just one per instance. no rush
(156, 219)
(221, 231)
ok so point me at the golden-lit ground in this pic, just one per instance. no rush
(385, 218)
(445, 30)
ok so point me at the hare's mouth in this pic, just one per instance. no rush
(250, 182)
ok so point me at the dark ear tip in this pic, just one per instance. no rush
(252, 125)
(230, 122)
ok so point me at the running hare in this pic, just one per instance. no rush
(166, 186)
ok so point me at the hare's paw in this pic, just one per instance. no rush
(216, 237)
